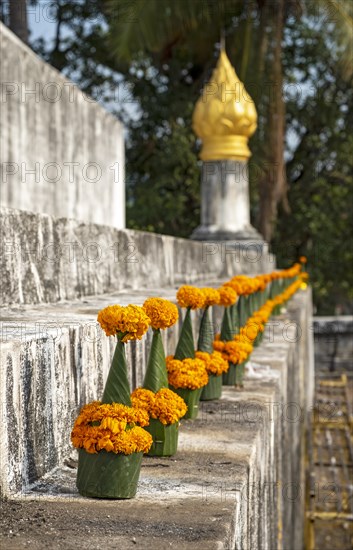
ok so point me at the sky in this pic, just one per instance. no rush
(41, 22)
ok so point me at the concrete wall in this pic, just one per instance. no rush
(45, 259)
(333, 338)
(61, 153)
(240, 468)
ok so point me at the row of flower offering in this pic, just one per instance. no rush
(112, 435)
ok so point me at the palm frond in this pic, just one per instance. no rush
(152, 25)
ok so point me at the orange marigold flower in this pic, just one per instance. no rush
(131, 321)
(168, 407)
(252, 329)
(215, 363)
(211, 296)
(188, 373)
(190, 296)
(162, 313)
(115, 426)
(262, 281)
(303, 259)
(237, 351)
(165, 405)
(96, 411)
(142, 398)
(218, 345)
(112, 427)
(244, 285)
(228, 296)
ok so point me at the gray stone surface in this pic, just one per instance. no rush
(46, 259)
(238, 478)
(61, 153)
(225, 206)
(333, 338)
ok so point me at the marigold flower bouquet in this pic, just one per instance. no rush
(164, 407)
(237, 353)
(229, 328)
(242, 285)
(214, 362)
(187, 378)
(109, 434)
(187, 375)
(215, 365)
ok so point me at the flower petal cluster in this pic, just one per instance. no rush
(131, 321)
(262, 281)
(111, 427)
(227, 296)
(188, 373)
(165, 405)
(288, 293)
(244, 285)
(211, 296)
(162, 313)
(251, 329)
(215, 363)
(263, 314)
(237, 351)
(190, 297)
(286, 273)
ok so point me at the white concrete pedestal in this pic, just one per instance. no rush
(225, 205)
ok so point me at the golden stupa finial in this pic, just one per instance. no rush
(225, 115)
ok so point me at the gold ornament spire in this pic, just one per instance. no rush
(225, 115)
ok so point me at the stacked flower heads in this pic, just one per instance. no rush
(165, 405)
(252, 329)
(130, 321)
(244, 285)
(235, 351)
(228, 296)
(115, 427)
(188, 373)
(111, 427)
(214, 362)
(162, 313)
(262, 281)
(211, 296)
(190, 297)
(286, 273)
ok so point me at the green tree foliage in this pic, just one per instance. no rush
(320, 171)
(166, 56)
(163, 187)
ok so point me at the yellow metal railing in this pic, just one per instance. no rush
(330, 462)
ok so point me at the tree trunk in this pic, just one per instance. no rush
(273, 187)
(18, 19)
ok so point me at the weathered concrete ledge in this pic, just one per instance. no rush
(46, 259)
(237, 480)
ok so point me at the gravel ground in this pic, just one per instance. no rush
(93, 524)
